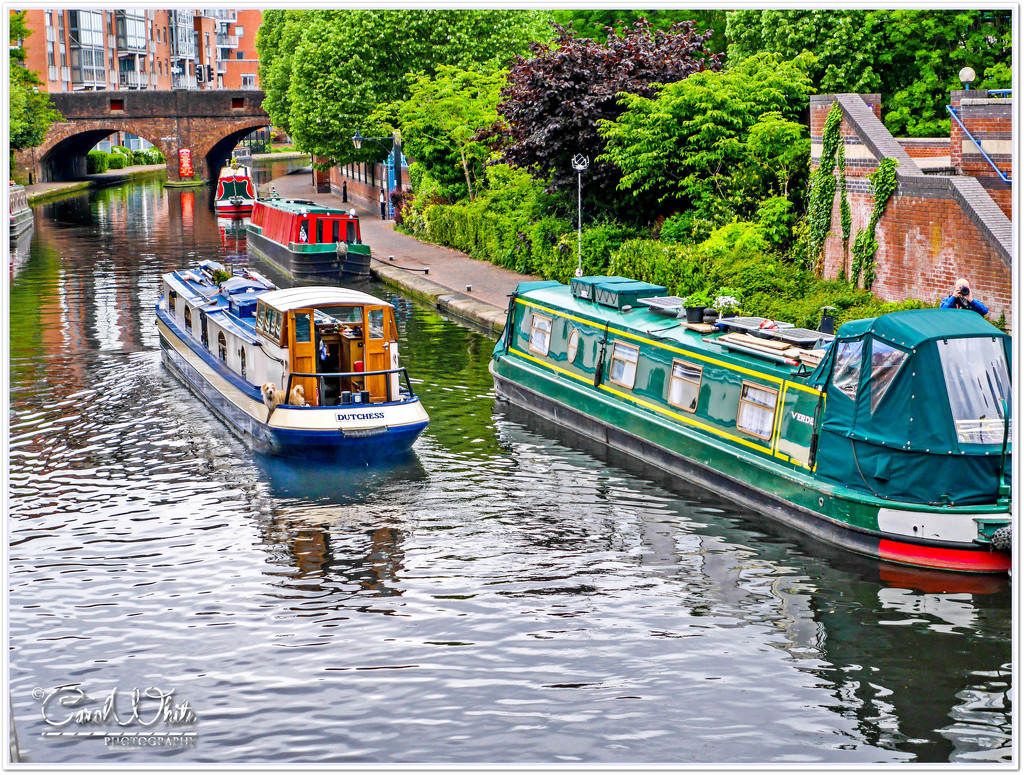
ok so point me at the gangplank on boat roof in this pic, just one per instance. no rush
(310, 372)
(891, 438)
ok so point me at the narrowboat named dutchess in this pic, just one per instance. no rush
(890, 438)
(236, 193)
(308, 372)
(308, 242)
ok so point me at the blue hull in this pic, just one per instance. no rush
(332, 446)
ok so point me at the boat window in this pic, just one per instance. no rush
(173, 296)
(574, 345)
(319, 230)
(222, 347)
(261, 311)
(375, 323)
(304, 230)
(188, 318)
(342, 314)
(623, 369)
(335, 229)
(886, 361)
(977, 378)
(757, 410)
(540, 334)
(684, 385)
(302, 327)
(846, 372)
(241, 361)
(203, 334)
(274, 325)
(350, 231)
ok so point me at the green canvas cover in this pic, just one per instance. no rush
(887, 427)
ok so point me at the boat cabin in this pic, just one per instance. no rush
(301, 221)
(336, 343)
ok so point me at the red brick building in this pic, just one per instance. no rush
(950, 214)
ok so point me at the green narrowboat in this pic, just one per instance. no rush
(890, 438)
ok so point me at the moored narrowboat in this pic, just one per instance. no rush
(236, 192)
(308, 372)
(890, 438)
(308, 242)
(21, 216)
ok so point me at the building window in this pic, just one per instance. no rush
(248, 81)
(684, 385)
(624, 360)
(757, 410)
(240, 31)
(239, 55)
(540, 334)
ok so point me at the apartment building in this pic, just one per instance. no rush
(87, 49)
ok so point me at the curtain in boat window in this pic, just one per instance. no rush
(624, 359)
(757, 410)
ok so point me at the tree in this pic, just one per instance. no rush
(911, 57)
(555, 100)
(30, 111)
(276, 39)
(344, 64)
(441, 120)
(594, 23)
(689, 146)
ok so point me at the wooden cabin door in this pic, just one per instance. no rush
(376, 354)
(303, 353)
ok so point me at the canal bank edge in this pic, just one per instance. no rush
(480, 313)
(45, 192)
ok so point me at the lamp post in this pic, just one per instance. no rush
(394, 160)
(580, 164)
(967, 76)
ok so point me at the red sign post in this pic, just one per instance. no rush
(185, 163)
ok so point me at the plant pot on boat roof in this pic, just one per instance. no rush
(727, 302)
(694, 305)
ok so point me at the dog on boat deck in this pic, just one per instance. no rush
(272, 397)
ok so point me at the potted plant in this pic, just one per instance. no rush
(694, 304)
(727, 302)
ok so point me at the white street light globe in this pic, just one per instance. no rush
(967, 76)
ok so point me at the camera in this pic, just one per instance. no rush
(963, 291)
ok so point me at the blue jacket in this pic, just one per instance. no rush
(953, 302)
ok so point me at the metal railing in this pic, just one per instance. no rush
(353, 376)
(973, 139)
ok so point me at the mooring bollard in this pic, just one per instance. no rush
(469, 289)
(391, 258)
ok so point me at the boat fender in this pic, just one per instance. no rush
(1002, 539)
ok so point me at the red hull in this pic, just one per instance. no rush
(968, 560)
(229, 209)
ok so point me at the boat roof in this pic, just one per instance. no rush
(914, 327)
(297, 206)
(232, 171)
(317, 296)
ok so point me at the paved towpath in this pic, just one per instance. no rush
(485, 302)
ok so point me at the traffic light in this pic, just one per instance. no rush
(199, 73)
(209, 73)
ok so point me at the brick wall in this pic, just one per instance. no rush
(925, 147)
(935, 229)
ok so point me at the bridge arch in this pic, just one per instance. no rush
(208, 123)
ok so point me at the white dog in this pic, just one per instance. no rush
(272, 397)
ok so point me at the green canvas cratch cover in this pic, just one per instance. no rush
(914, 407)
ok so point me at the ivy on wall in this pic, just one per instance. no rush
(883, 186)
(823, 190)
(845, 220)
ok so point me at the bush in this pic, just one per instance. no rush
(121, 150)
(117, 161)
(96, 162)
(682, 269)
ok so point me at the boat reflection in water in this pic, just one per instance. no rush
(867, 629)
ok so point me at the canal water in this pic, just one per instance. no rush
(507, 594)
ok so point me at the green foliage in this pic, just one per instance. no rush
(440, 122)
(782, 148)
(823, 188)
(911, 56)
(30, 112)
(883, 185)
(689, 146)
(845, 218)
(116, 161)
(121, 149)
(96, 162)
(680, 268)
(775, 218)
(328, 70)
(593, 23)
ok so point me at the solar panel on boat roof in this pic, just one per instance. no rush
(799, 336)
(671, 303)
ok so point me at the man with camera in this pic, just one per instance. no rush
(962, 299)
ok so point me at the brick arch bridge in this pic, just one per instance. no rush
(208, 123)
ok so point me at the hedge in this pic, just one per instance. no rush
(96, 162)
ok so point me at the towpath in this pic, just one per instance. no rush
(452, 281)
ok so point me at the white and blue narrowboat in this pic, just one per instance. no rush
(308, 372)
(890, 438)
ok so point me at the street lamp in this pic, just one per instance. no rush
(580, 164)
(394, 160)
(967, 76)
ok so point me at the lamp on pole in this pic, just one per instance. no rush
(580, 164)
(394, 160)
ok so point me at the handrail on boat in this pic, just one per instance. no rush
(320, 376)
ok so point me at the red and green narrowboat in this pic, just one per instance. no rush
(236, 193)
(890, 438)
(308, 242)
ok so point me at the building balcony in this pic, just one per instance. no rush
(132, 80)
(227, 41)
(184, 82)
